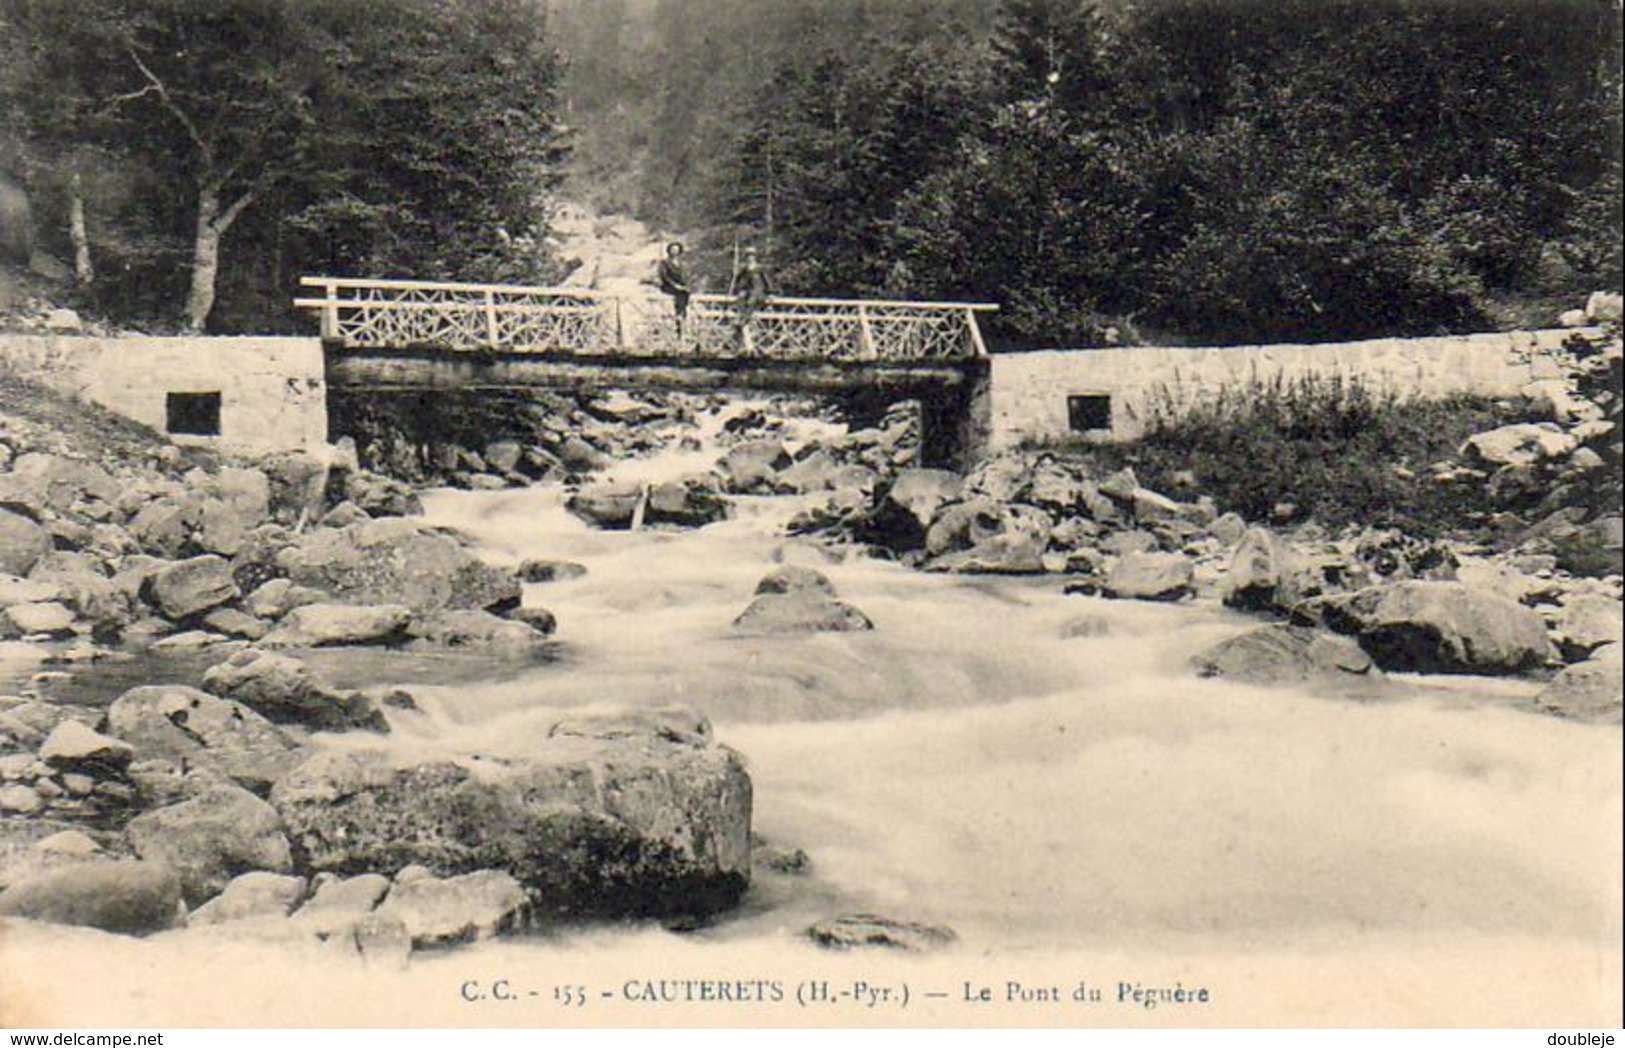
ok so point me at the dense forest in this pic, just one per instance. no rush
(193, 157)
(1214, 170)
(1196, 170)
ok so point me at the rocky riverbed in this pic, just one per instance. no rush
(770, 685)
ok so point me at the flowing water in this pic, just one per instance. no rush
(1042, 773)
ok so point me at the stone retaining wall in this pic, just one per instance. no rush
(1031, 391)
(271, 392)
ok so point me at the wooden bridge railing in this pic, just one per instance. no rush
(567, 321)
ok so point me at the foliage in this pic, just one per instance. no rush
(283, 136)
(1337, 451)
(1223, 170)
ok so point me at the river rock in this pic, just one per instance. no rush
(163, 526)
(1596, 547)
(198, 730)
(1586, 623)
(1445, 627)
(539, 619)
(85, 587)
(276, 598)
(815, 471)
(74, 746)
(611, 507)
(17, 799)
(286, 691)
(1150, 576)
(481, 630)
(1258, 567)
(800, 611)
(1283, 654)
(1588, 691)
(234, 622)
(751, 468)
(324, 625)
(336, 901)
(49, 619)
(623, 825)
(22, 542)
(978, 521)
(380, 496)
(549, 571)
(397, 561)
(686, 504)
(192, 586)
(249, 896)
(1523, 444)
(445, 911)
(870, 930)
(297, 486)
(14, 590)
(1012, 553)
(63, 483)
(901, 518)
(128, 897)
(222, 830)
(795, 578)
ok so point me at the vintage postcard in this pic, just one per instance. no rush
(856, 513)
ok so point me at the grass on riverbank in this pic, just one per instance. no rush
(1337, 451)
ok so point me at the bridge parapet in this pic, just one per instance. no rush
(573, 322)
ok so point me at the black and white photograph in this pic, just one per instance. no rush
(783, 514)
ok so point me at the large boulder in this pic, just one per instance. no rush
(193, 586)
(286, 691)
(1003, 533)
(618, 819)
(197, 730)
(22, 542)
(1283, 654)
(397, 561)
(1150, 576)
(1446, 627)
(218, 832)
(1589, 690)
(1587, 623)
(129, 897)
(902, 516)
(324, 625)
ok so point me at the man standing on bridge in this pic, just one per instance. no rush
(674, 281)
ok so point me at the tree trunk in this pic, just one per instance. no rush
(212, 223)
(83, 271)
(205, 259)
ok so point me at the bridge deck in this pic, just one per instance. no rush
(577, 322)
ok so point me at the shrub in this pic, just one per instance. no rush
(1338, 451)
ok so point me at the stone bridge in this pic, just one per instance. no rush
(415, 335)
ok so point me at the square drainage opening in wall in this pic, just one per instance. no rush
(193, 414)
(1089, 412)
